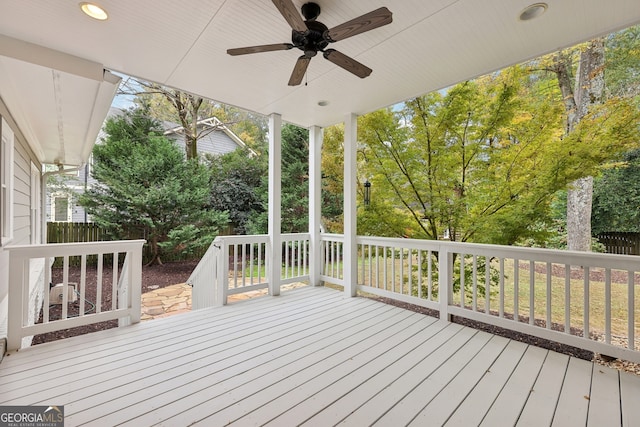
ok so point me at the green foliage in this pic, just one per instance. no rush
(484, 159)
(553, 233)
(295, 187)
(623, 63)
(443, 171)
(333, 178)
(616, 198)
(479, 269)
(236, 180)
(471, 270)
(145, 184)
(295, 179)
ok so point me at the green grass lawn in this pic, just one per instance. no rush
(596, 294)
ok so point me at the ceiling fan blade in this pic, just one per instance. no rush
(299, 70)
(291, 15)
(366, 22)
(349, 64)
(257, 49)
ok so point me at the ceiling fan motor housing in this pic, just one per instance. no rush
(312, 41)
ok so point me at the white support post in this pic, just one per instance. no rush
(17, 285)
(315, 203)
(222, 274)
(445, 282)
(135, 285)
(350, 261)
(275, 196)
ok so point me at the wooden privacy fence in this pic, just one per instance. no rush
(77, 232)
(621, 243)
(74, 232)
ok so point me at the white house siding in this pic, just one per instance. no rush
(22, 195)
(216, 142)
(22, 222)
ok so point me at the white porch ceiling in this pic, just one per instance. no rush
(428, 46)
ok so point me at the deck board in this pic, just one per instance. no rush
(315, 357)
(442, 406)
(604, 401)
(541, 405)
(359, 394)
(287, 372)
(405, 410)
(384, 400)
(629, 386)
(573, 402)
(507, 407)
(474, 407)
(303, 379)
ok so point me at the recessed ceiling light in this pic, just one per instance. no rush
(323, 103)
(533, 11)
(94, 11)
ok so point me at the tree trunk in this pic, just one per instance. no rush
(579, 198)
(588, 91)
(155, 251)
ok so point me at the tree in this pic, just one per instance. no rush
(432, 160)
(295, 187)
(172, 105)
(145, 184)
(616, 194)
(332, 166)
(295, 179)
(586, 90)
(622, 58)
(295, 184)
(616, 197)
(579, 97)
(236, 180)
(481, 161)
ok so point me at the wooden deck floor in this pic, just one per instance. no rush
(316, 358)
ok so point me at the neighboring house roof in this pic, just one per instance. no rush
(211, 124)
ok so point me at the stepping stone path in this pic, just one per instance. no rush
(176, 299)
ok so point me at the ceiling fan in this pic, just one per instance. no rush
(311, 37)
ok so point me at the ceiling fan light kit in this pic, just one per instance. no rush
(312, 36)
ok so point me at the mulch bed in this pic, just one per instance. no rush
(577, 273)
(153, 277)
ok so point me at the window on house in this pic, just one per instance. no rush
(6, 182)
(61, 209)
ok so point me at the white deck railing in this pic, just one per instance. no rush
(586, 300)
(332, 254)
(125, 287)
(238, 264)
